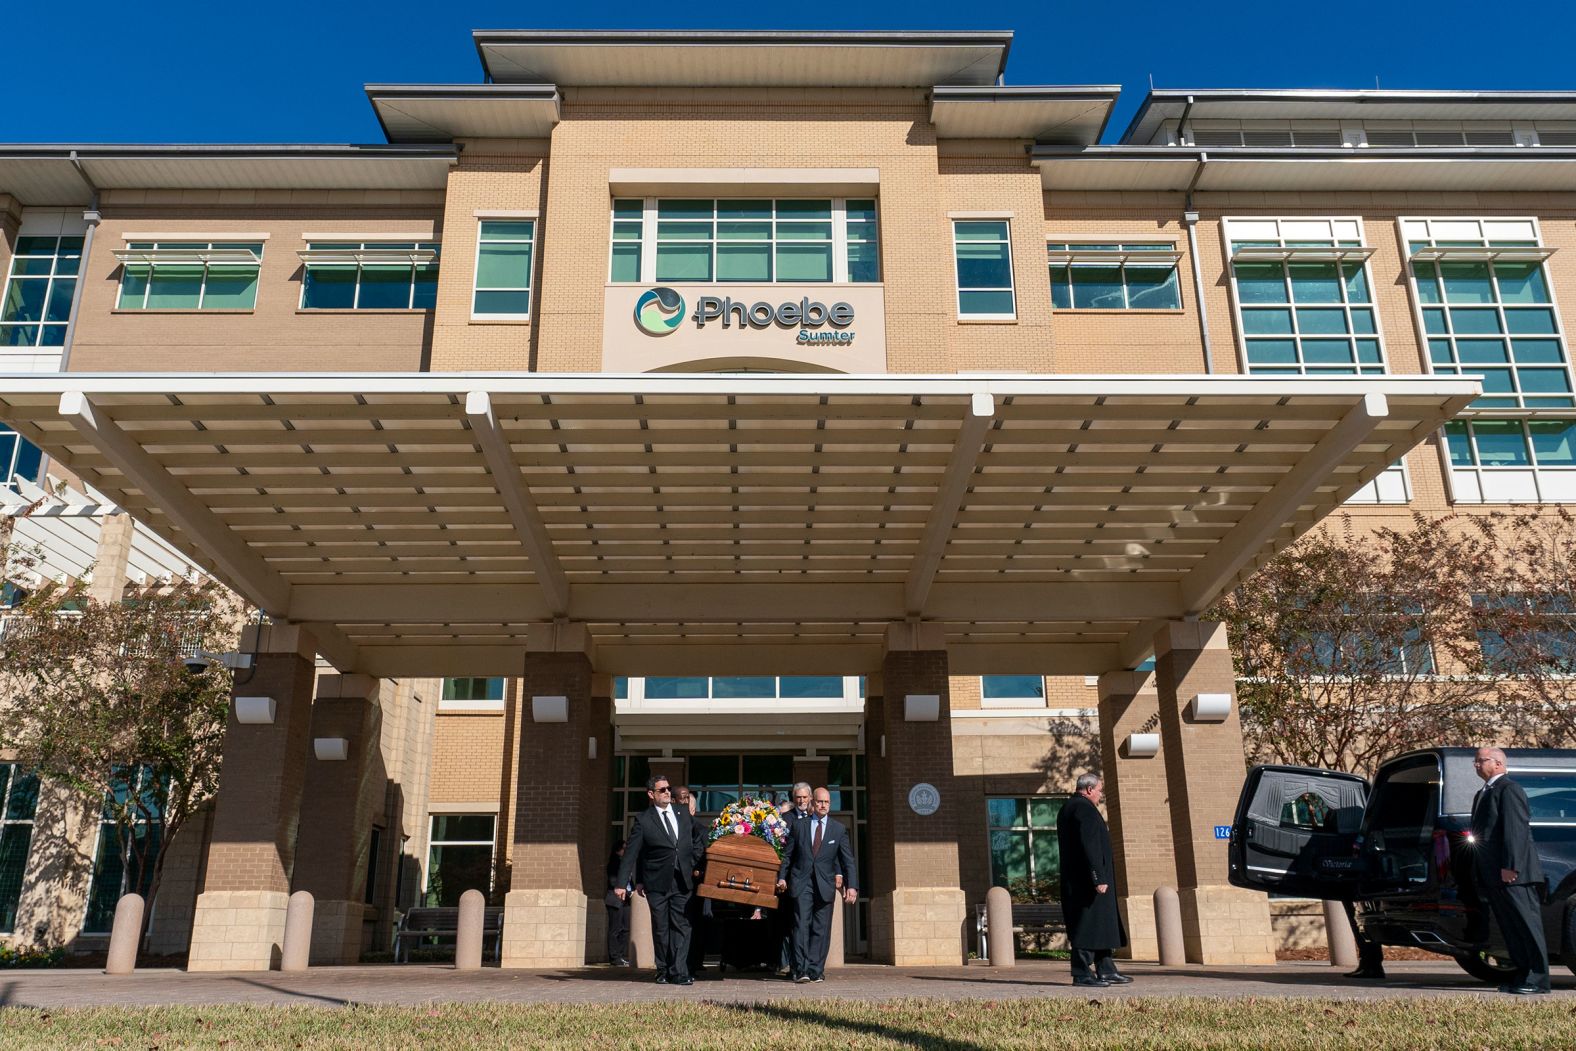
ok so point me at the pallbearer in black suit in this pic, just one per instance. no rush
(1094, 927)
(817, 866)
(1508, 871)
(663, 859)
(793, 812)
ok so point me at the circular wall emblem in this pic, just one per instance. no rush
(659, 311)
(923, 799)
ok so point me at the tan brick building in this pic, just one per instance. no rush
(762, 407)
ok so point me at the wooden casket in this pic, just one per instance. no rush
(741, 869)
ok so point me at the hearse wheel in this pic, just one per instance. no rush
(1486, 967)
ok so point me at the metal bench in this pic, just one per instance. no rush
(444, 923)
(1026, 919)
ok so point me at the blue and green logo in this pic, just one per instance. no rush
(659, 311)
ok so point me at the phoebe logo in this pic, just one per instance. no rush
(659, 311)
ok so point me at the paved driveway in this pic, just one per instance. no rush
(418, 984)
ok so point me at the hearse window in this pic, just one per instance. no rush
(1402, 816)
(1308, 810)
(1552, 795)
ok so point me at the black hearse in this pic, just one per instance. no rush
(1401, 848)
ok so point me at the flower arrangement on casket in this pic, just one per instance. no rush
(746, 845)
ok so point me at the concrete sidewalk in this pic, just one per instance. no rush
(419, 984)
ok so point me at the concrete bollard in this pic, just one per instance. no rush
(642, 950)
(296, 954)
(1338, 935)
(1168, 927)
(125, 935)
(468, 939)
(998, 921)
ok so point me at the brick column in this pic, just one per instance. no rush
(1204, 775)
(917, 903)
(561, 817)
(111, 558)
(595, 827)
(239, 924)
(346, 798)
(1135, 803)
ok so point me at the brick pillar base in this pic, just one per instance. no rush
(1226, 925)
(1138, 916)
(544, 928)
(918, 926)
(336, 932)
(238, 930)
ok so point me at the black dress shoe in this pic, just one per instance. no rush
(618, 962)
(682, 981)
(1116, 979)
(662, 979)
(1523, 989)
(1093, 983)
(1365, 974)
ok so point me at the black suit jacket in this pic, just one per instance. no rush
(808, 872)
(652, 859)
(614, 862)
(1502, 834)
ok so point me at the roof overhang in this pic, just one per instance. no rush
(445, 112)
(43, 175)
(60, 529)
(1530, 168)
(1065, 115)
(1321, 104)
(446, 523)
(742, 59)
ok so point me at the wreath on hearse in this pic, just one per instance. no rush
(746, 843)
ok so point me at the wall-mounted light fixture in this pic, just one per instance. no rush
(590, 747)
(921, 707)
(1141, 746)
(255, 711)
(1209, 707)
(331, 749)
(550, 709)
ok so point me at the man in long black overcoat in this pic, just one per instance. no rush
(1094, 927)
(1508, 871)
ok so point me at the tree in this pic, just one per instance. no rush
(98, 696)
(1352, 647)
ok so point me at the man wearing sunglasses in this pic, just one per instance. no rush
(662, 859)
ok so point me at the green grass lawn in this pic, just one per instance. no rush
(1078, 1025)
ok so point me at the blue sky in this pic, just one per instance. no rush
(189, 72)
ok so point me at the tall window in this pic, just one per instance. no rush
(1485, 304)
(1397, 646)
(983, 251)
(370, 275)
(746, 240)
(1303, 297)
(115, 858)
(1531, 633)
(18, 805)
(1113, 276)
(189, 275)
(503, 269)
(39, 290)
(1487, 310)
(459, 857)
(19, 458)
(1023, 854)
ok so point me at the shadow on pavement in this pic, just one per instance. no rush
(813, 1014)
(337, 1001)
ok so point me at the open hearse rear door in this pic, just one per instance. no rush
(1296, 831)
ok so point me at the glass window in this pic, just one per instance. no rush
(1013, 688)
(188, 279)
(1387, 636)
(983, 252)
(1023, 853)
(744, 240)
(19, 459)
(1551, 796)
(121, 865)
(473, 689)
(1305, 317)
(1527, 632)
(459, 858)
(503, 269)
(371, 275)
(1125, 281)
(36, 305)
(18, 806)
(1470, 306)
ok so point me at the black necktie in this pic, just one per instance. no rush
(670, 826)
(815, 840)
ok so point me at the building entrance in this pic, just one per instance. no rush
(720, 778)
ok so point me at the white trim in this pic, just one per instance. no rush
(365, 257)
(200, 235)
(504, 213)
(470, 707)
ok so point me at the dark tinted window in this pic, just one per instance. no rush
(1402, 816)
(1552, 795)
